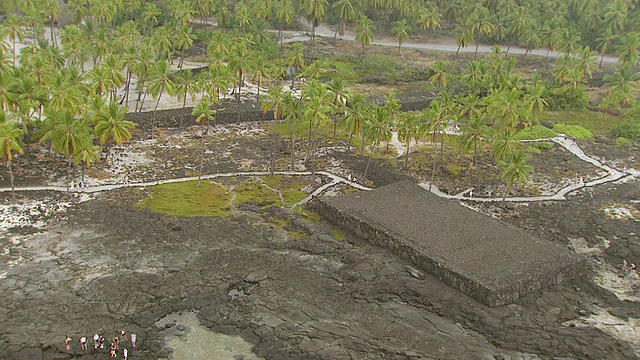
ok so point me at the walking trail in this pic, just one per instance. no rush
(612, 175)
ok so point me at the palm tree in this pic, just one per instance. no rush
(186, 85)
(346, 13)
(286, 14)
(292, 111)
(441, 70)
(204, 113)
(10, 135)
(261, 71)
(111, 128)
(53, 9)
(374, 129)
(586, 62)
(515, 169)
(436, 124)
(628, 50)
(505, 144)
(315, 112)
(160, 81)
(184, 38)
(429, 17)
(357, 110)
(12, 27)
(535, 101)
(401, 31)
(465, 30)
(409, 130)
(481, 21)
(240, 62)
(339, 94)
(315, 13)
(295, 59)
(474, 134)
(531, 39)
(67, 134)
(604, 44)
(274, 102)
(364, 31)
(87, 153)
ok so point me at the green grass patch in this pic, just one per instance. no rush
(624, 142)
(535, 132)
(575, 131)
(186, 199)
(253, 190)
(338, 235)
(595, 121)
(533, 150)
(307, 214)
(544, 145)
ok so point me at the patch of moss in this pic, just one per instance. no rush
(253, 190)
(338, 235)
(307, 214)
(187, 199)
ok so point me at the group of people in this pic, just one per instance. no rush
(99, 340)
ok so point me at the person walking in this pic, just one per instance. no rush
(96, 341)
(134, 338)
(112, 351)
(83, 343)
(125, 354)
(67, 343)
(101, 341)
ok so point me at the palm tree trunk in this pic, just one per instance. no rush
(406, 157)
(435, 159)
(293, 149)
(366, 168)
(546, 60)
(350, 138)
(126, 101)
(155, 110)
(476, 53)
(201, 160)
(457, 51)
(11, 179)
(504, 197)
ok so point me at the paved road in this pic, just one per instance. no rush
(448, 45)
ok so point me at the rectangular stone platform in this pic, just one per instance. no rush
(491, 261)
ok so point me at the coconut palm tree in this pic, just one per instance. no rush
(338, 93)
(10, 135)
(315, 11)
(357, 110)
(184, 38)
(67, 134)
(628, 50)
(274, 102)
(514, 169)
(535, 101)
(286, 14)
(12, 27)
(474, 134)
(346, 13)
(436, 123)
(441, 70)
(364, 31)
(160, 82)
(401, 31)
(316, 112)
(86, 154)
(204, 113)
(111, 127)
(292, 111)
(409, 130)
(465, 30)
(186, 85)
(374, 129)
(429, 17)
(240, 62)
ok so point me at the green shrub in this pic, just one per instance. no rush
(624, 142)
(575, 131)
(544, 145)
(628, 131)
(379, 67)
(533, 150)
(537, 132)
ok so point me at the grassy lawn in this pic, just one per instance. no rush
(597, 122)
(186, 199)
(211, 199)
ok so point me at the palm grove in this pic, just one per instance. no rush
(71, 86)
